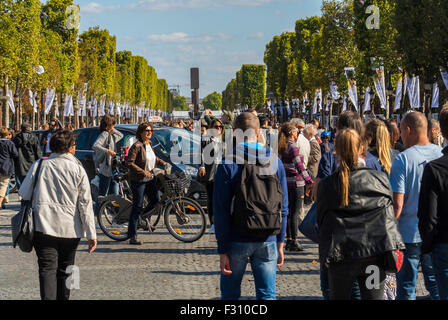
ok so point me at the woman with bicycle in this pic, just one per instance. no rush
(141, 160)
(105, 149)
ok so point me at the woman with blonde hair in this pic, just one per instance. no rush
(378, 143)
(356, 221)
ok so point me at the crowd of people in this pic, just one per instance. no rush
(365, 180)
(375, 188)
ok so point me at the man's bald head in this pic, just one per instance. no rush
(416, 121)
(414, 129)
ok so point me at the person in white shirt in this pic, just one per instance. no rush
(302, 142)
(141, 161)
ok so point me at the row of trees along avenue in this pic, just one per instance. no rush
(41, 51)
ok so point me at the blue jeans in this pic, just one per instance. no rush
(107, 186)
(263, 260)
(440, 263)
(325, 285)
(139, 190)
(407, 277)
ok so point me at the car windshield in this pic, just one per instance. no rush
(182, 143)
(178, 143)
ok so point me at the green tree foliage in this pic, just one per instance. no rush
(338, 45)
(180, 103)
(422, 35)
(253, 85)
(213, 101)
(98, 53)
(54, 18)
(124, 77)
(229, 96)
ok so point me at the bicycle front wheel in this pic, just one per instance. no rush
(113, 218)
(185, 219)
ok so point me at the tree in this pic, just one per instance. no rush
(421, 26)
(97, 52)
(180, 103)
(229, 96)
(213, 101)
(55, 18)
(253, 85)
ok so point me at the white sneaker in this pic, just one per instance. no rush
(212, 229)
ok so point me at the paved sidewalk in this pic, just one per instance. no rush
(162, 269)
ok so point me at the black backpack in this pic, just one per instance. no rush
(257, 209)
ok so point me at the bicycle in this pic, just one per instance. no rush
(183, 217)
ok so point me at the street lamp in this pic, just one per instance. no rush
(390, 94)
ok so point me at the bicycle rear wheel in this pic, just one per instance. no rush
(185, 219)
(113, 218)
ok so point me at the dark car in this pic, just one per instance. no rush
(165, 141)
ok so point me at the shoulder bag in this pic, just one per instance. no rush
(22, 224)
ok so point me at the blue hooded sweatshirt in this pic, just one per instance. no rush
(227, 178)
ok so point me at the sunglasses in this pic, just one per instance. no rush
(148, 130)
(218, 127)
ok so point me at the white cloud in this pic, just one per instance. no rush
(256, 35)
(184, 38)
(164, 5)
(93, 8)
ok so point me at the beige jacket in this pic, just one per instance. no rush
(62, 200)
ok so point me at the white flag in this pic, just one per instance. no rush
(367, 106)
(398, 94)
(414, 92)
(435, 96)
(380, 87)
(11, 101)
(335, 95)
(445, 78)
(101, 111)
(49, 99)
(68, 109)
(94, 108)
(33, 102)
(352, 91)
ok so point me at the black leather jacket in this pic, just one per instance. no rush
(366, 227)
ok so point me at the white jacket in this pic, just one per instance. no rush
(304, 148)
(62, 200)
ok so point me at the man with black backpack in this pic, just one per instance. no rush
(251, 207)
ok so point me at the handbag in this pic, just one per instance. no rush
(393, 261)
(22, 224)
(309, 227)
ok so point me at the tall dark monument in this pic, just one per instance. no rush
(194, 75)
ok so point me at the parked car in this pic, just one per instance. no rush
(186, 145)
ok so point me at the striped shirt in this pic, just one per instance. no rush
(296, 173)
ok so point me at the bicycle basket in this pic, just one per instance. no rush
(177, 184)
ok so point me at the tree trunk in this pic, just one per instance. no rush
(6, 104)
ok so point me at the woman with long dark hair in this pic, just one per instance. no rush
(213, 149)
(141, 161)
(356, 221)
(297, 177)
(105, 147)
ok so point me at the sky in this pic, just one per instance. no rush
(217, 36)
